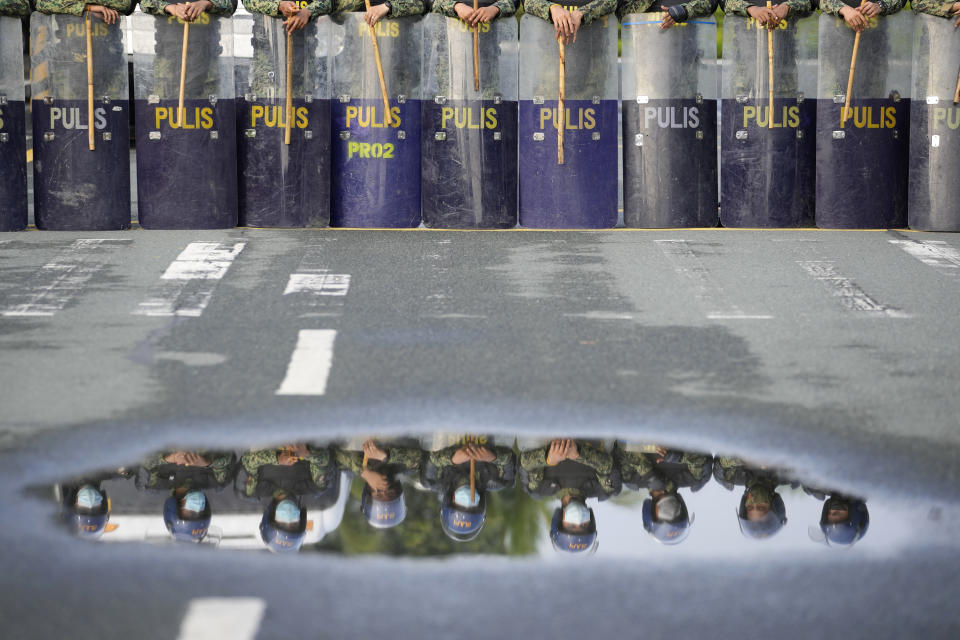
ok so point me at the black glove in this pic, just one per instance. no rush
(678, 12)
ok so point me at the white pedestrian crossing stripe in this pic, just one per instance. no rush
(222, 619)
(188, 283)
(310, 364)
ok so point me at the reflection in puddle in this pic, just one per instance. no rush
(444, 493)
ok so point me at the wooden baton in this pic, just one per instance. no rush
(473, 480)
(853, 67)
(289, 110)
(770, 68)
(956, 95)
(387, 118)
(476, 55)
(561, 112)
(183, 71)
(92, 129)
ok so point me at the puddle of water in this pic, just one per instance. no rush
(413, 497)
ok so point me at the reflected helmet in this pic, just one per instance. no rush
(87, 512)
(566, 542)
(385, 514)
(284, 533)
(845, 534)
(672, 530)
(463, 523)
(187, 525)
(771, 523)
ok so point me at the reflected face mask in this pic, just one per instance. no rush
(195, 501)
(287, 512)
(88, 497)
(461, 497)
(576, 513)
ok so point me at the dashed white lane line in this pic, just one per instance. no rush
(57, 282)
(310, 364)
(222, 619)
(321, 284)
(933, 253)
(850, 295)
(189, 281)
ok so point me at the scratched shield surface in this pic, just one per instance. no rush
(469, 137)
(581, 192)
(282, 184)
(76, 187)
(186, 161)
(13, 139)
(934, 127)
(862, 154)
(375, 165)
(767, 162)
(669, 123)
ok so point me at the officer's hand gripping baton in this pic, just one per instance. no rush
(770, 28)
(561, 125)
(387, 119)
(853, 66)
(289, 109)
(91, 130)
(183, 70)
(476, 55)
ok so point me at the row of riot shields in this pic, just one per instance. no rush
(238, 122)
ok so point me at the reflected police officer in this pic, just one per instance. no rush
(382, 502)
(761, 513)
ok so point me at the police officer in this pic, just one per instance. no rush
(663, 472)
(382, 502)
(85, 507)
(789, 9)
(447, 472)
(672, 13)
(567, 21)
(572, 470)
(761, 513)
(488, 10)
(857, 15)
(935, 8)
(284, 523)
(380, 9)
(297, 14)
(109, 11)
(843, 521)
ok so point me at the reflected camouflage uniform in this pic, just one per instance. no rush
(605, 476)
(317, 460)
(591, 11)
(441, 474)
(677, 469)
(446, 7)
(271, 7)
(161, 474)
(77, 7)
(933, 8)
(796, 8)
(14, 7)
(399, 460)
(398, 8)
(734, 471)
(887, 7)
(695, 8)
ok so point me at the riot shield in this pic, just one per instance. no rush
(76, 187)
(862, 154)
(13, 134)
(767, 161)
(376, 166)
(581, 192)
(280, 184)
(934, 189)
(186, 161)
(469, 137)
(669, 122)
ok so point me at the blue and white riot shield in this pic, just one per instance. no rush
(13, 138)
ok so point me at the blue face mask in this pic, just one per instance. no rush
(461, 497)
(287, 512)
(576, 513)
(88, 497)
(195, 501)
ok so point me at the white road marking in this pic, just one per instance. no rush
(933, 253)
(849, 293)
(604, 315)
(56, 283)
(222, 619)
(687, 263)
(310, 364)
(189, 281)
(320, 284)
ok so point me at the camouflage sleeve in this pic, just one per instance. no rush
(626, 7)
(696, 463)
(219, 8)
(443, 457)
(349, 460)
(701, 8)
(534, 461)
(221, 464)
(265, 7)
(504, 460)
(446, 7)
(797, 8)
(407, 457)
(599, 461)
(591, 11)
(77, 7)
(634, 464)
(14, 7)
(319, 8)
(253, 460)
(932, 7)
(887, 7)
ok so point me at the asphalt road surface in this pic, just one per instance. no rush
(834, 352)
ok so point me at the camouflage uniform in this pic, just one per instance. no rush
(317, 465)
(77, 7)
(734, 471)
(933, 8)
(591, 10)
(271, 7)
(796, 8)
(887, 7)
(695, 8)
(14, 7)
(161, 474)
(398, 8)
(399, 460)
(219, 8)
(441, 474)
(677, 469)
(598, 477)
(446, 7)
